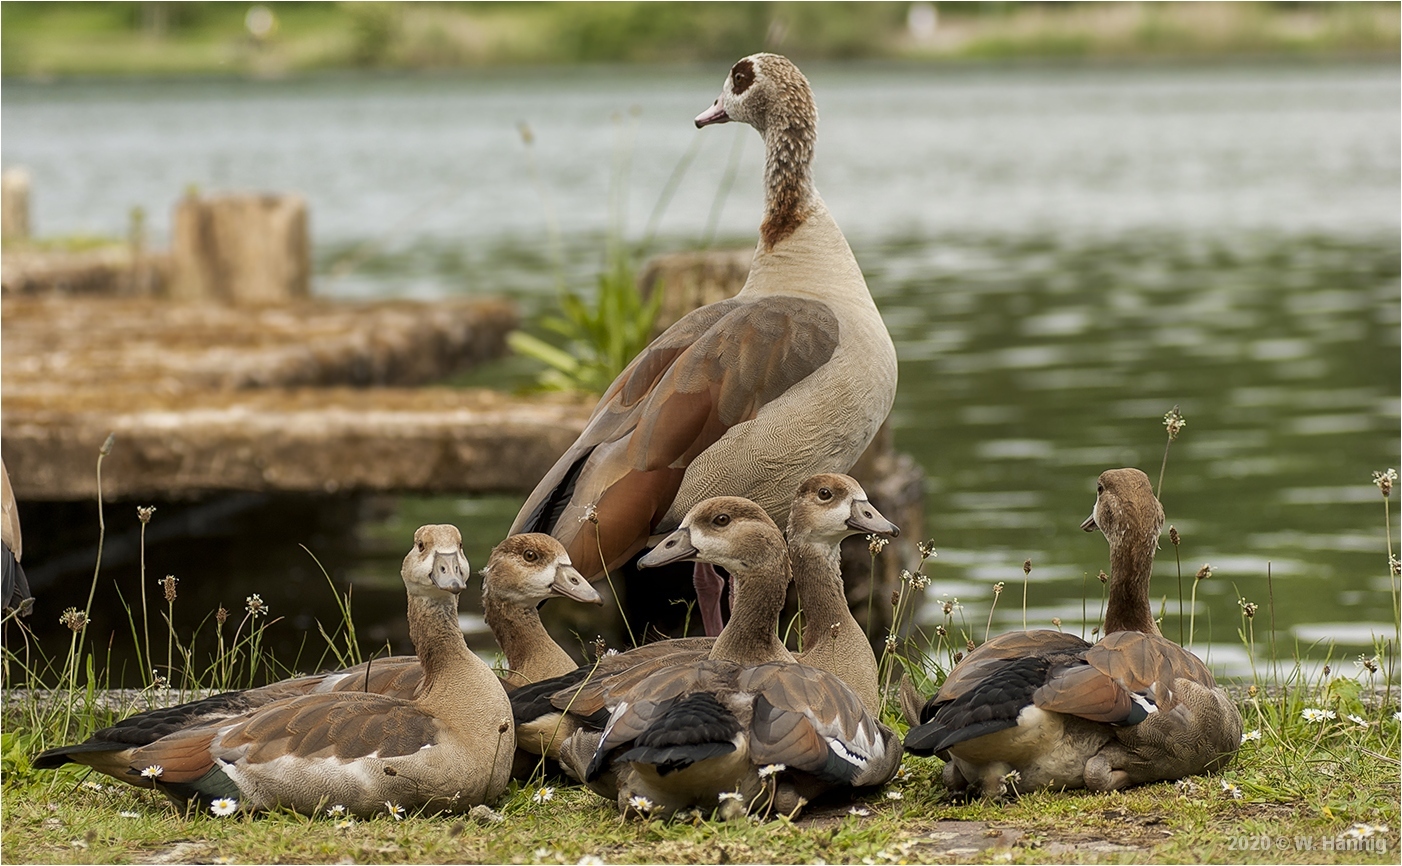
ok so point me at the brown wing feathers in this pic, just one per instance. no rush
(714, 369)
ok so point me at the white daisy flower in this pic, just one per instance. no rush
(770, 769)
(731, 795)
(894, 795)
(1356, 720)
(591, 860)
(859, 811)
(1232, 790)
(1311, 714)
(640, 804)
(336, 811)
(544, 795)
(1251, 736)
(153, 772)
(224, 807)
(395, 811)
(128, 814)
(345, 824)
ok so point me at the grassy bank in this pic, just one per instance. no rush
(41, 39)
(1316, 780)
(1299, 791)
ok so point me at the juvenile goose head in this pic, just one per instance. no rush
(528, 568)
(1125, 507)
(830, 507)
(728, 531)
(436, 564)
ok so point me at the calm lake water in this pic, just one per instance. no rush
(1062, 255)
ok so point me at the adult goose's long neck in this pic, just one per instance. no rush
(531, 654)
(446, 660)
(1131, 565)
(750, 637)
(788, 180)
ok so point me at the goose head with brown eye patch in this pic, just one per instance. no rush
(528, 568)
(436, 563)
(766, 91)
(831, 507)
(729, 531)
(1125, 507)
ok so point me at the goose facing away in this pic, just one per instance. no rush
(521, 572)
(747, 396)
(1041, 708)
(14, 585)
(448, 749)
(826, 509)
(688, 734)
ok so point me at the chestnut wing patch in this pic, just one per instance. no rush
(715, 368)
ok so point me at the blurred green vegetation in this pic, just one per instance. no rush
(206, 37)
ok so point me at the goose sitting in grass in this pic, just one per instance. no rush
(826, 509)
(1043, 709)
(748, 727)
(447, 749)
(746, 396)
(522, 571)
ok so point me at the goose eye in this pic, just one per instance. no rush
(742, 75)
(824, 494)
(421, 547)
(1099, 489)
(530, 555)
(721, 520)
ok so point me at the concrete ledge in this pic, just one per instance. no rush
(52, 345)
(307, 440)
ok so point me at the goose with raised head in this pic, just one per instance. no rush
(747, 396)
(688, 734)
(521, 572)
(1041, 708)
(827, 509)
(447, 749)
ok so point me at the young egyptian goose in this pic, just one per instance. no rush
(522, 571)
(14, 586)
(448, 749)
(747, 396)
(687, 734)
(1044, 709)
(826, 509)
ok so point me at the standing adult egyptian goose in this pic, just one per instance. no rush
(14, 586)
(688, 734)
(522, 571)
(1045, 709)
(448, 749)
(827, 509)
(747, 396)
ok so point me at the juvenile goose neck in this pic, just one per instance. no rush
(446, 660)
(750, 637)
(531, 654)
(1131, 565)
(817, 573)
(788, 182)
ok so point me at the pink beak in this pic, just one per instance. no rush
(714, 114)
